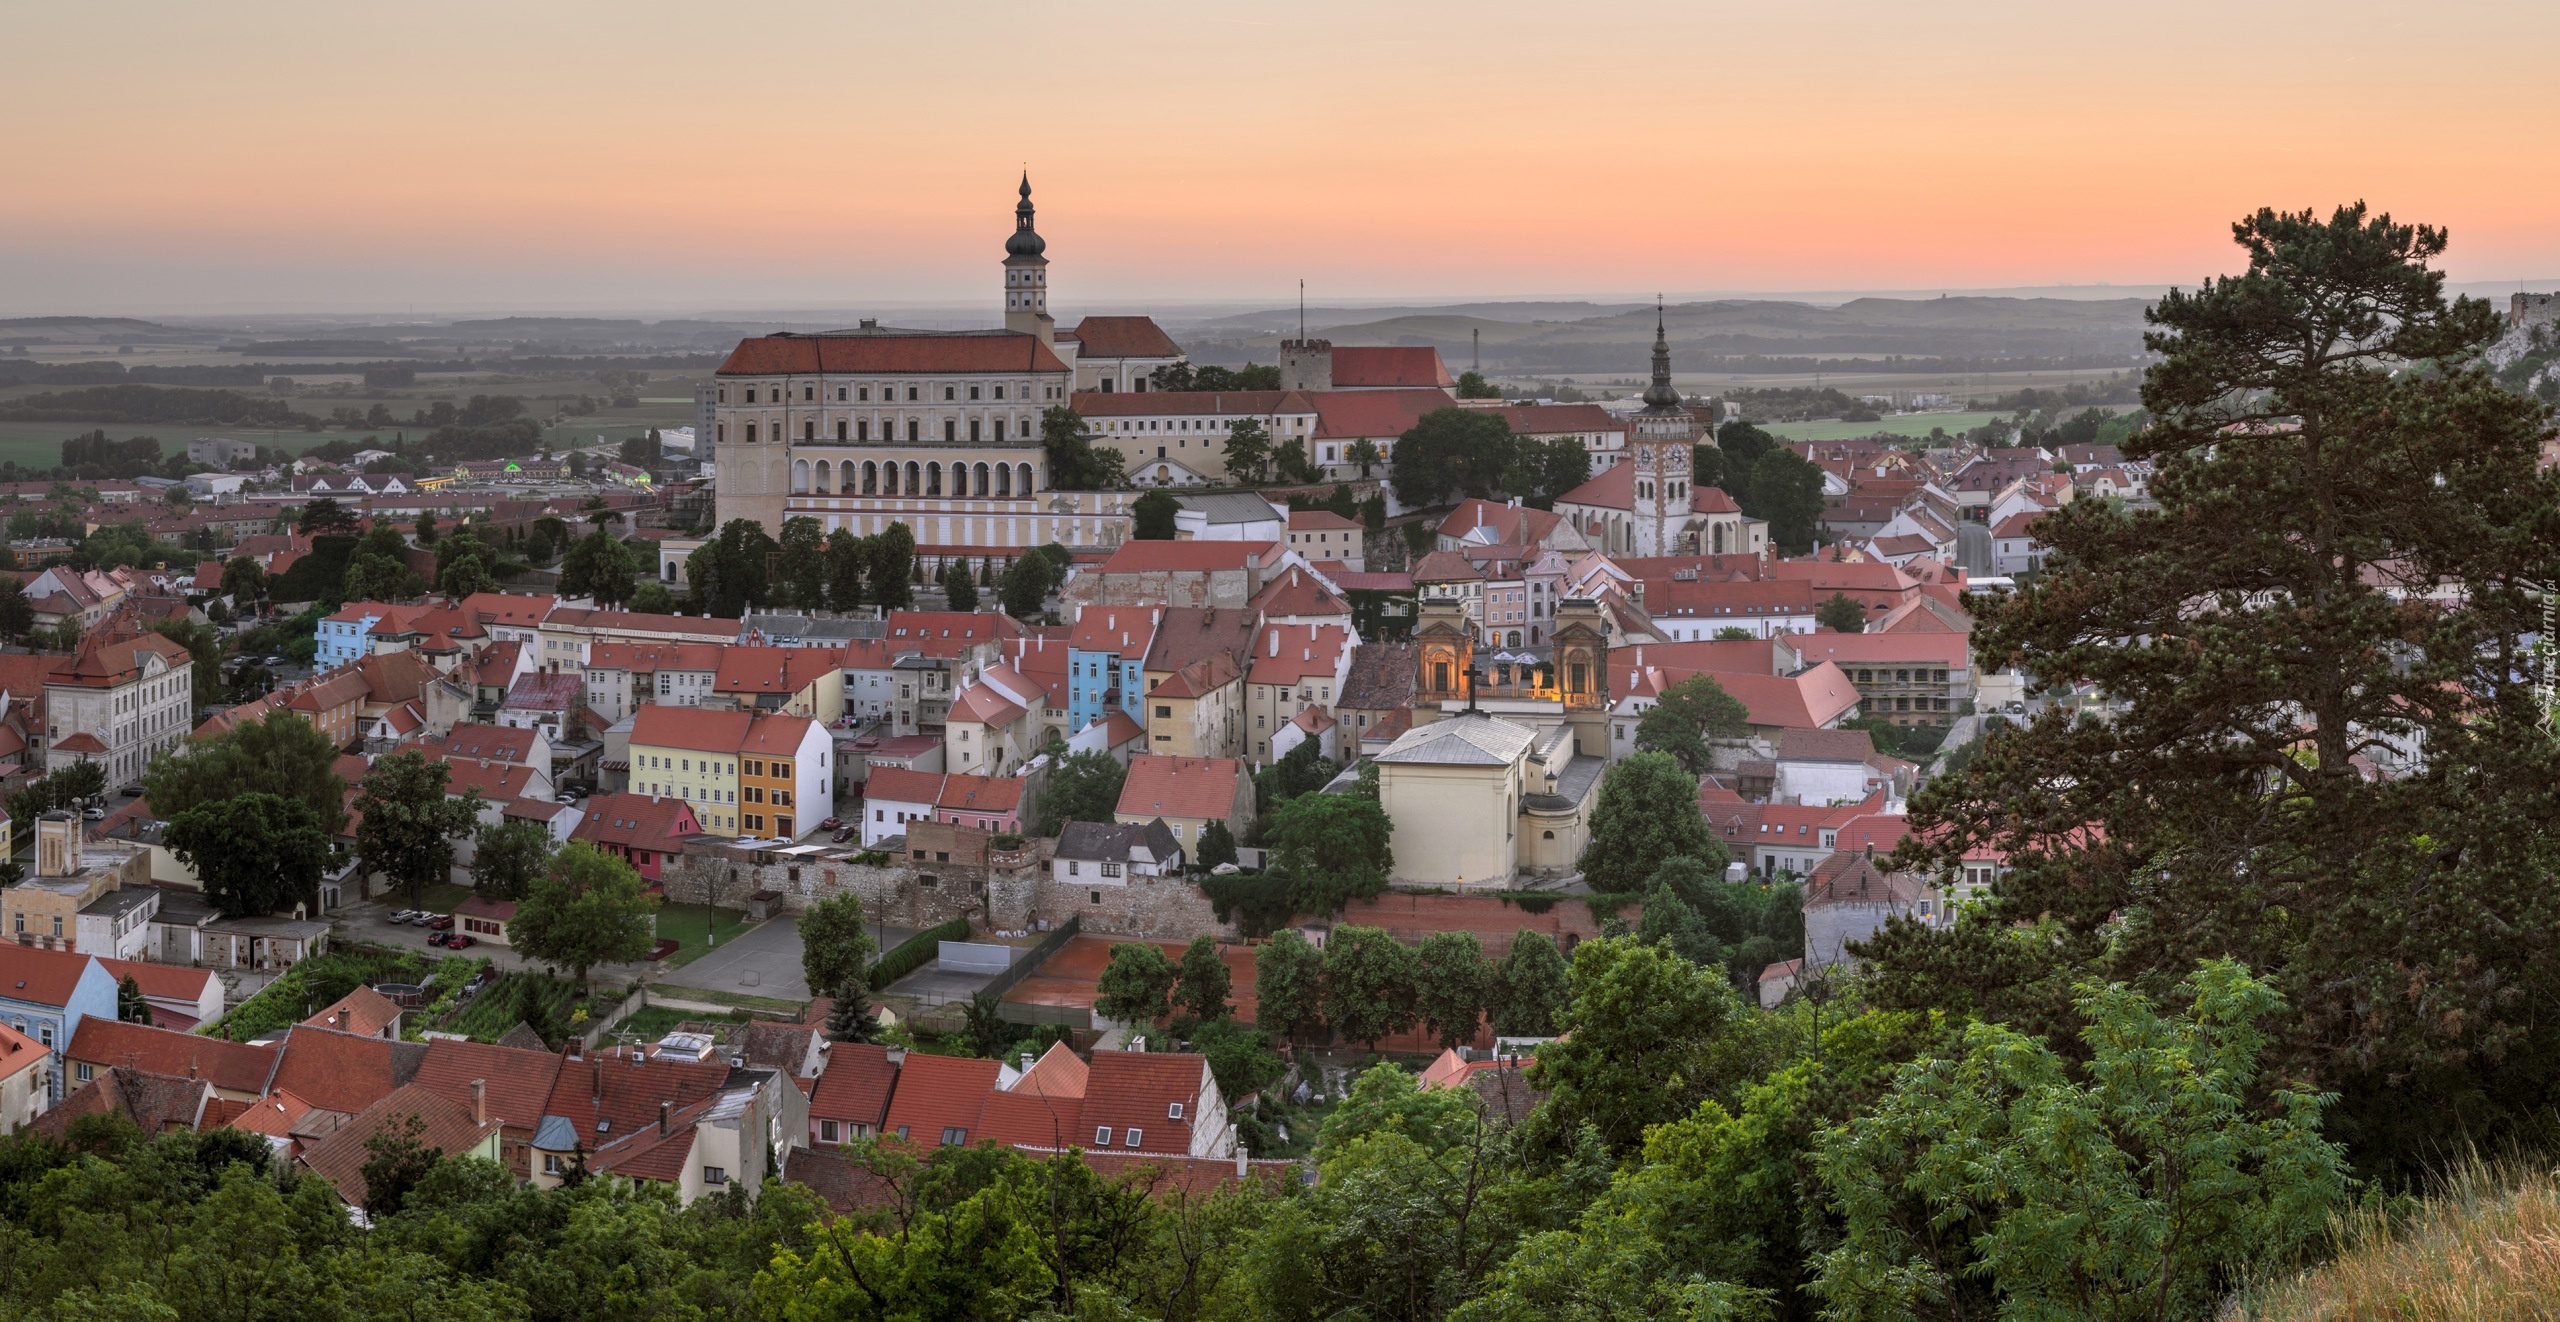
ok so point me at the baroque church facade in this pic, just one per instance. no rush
(939, 430)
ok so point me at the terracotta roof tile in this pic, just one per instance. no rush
(1192, 787)
(1140, 1090)
(938, 1093)
(855, 1085)
(891, 352)
(230, 1066)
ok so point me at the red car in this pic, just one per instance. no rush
(440, 922)
(459, 941)
(831, 824)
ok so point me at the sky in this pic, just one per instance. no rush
(466, 156)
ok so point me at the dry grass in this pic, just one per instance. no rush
(2484, 1248)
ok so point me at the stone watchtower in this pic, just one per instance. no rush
(1658, 444)
(1026, 275)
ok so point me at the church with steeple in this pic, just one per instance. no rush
(940, 430)
(1649, 505)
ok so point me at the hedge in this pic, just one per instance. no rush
(915, 952)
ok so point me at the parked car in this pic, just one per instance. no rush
(401, 915)
(440, 922)
(460, 941)
(831, 824)
(843, 835)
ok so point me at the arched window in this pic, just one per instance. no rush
(933, 479)
(799, 477)
(915, 478)
(1004, 480)
(982, 487)
(1024, 481)
(870, 478)
(826, 477)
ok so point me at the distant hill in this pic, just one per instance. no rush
(1974, 332)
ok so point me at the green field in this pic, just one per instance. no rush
(1909, 424)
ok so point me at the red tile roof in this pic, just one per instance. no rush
(230, 1066)
(936, 1093)
(636, 821)
(701, 729)
(516, 1083)
(1196, 557)
(1032, 1120)
(1140, 1089)
(899, 785)
(1556, 419)
(493, 743)
(1298, 592)
(891, 352)
(1123, 337)
(776, 670)
(367, 1011)
(1202, 787)
(343, 1071)
(172, 982)
(1124, 631)
(340, 1158)
(38, 976)
(623, 1087)
(855, 1085)
(1319, 521)
(987, 794)
(1376, 365)
(1290, 653)
(1343, 415)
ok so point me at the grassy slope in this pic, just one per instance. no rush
(2485, 1248)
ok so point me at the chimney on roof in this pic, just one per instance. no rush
(343, 1016)
(599, 1072)
(665, 1108)
(479, 1101)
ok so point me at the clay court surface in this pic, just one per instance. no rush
(1072, 977)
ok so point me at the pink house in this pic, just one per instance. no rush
(988, 803)
(641, 829)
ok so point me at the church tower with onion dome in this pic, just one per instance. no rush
(1659, 443)
(1026, 275)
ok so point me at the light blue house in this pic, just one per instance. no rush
(46, 993)
(1107, 663)
(348, 635)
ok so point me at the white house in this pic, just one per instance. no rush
(1109, 853)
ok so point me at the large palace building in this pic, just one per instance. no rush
(939, 430)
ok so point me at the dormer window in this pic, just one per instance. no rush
(1137, 1137)
(1102, 1136)
(1173, 1112)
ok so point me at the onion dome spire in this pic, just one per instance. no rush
(1026, 242)
(1660, 396)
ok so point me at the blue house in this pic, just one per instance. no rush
(46, 993)
(1107, 663)
(347, 636)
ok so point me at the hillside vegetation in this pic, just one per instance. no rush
(2485, 1248)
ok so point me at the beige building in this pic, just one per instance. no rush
(120, 703)
(1324, 535)
(85, 897)
(1198, 711)
(1296, 667)
(25, 1080)
(1478, 799)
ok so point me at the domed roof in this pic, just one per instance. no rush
(1026, 242)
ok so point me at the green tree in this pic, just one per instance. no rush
(1083, 787)
(846, 559)
(1733, 633)
(1787, 491)
(280, 754)
(653, 598)
(1153, 514)
(1288, 985)
(1450, 981)
(1332, 849)
(1134, 984)
(959, 586)
(1451, 450)
(1202, 994)
(1472, 385)
(1364, 453)
(1075, 462)
(1529, 987)
(132, 1006)
(1241, 1059)
(242, 581)
(408, 825)
(982, 1027)
(1645, 1037)
(426, 527)
(466, 565)
(1217, 846)
(17, 614)
(253, 853)
(507, 856)
(1648, 812)
(325, 515)
(1688, 716)
(2143, 1189)
(836, 949)
(852, 1020)
(2328, 414)
(599, 566)
(1302, 770)
(1289, 461)
(1369, 984)
(397, 1160)
(380, 570)
(804, 563)
(1248, 451)
(893, 558)
(1842, 612)
(589, 910)
(1024, 587)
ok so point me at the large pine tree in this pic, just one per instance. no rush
(2328, 761)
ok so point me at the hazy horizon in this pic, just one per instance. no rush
(300, 159)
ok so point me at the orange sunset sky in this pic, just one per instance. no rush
(547, 156)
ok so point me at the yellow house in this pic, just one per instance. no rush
(1198, 711)
(1477, 799)
(690, 753)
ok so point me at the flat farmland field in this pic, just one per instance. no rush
(1908, 424)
